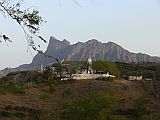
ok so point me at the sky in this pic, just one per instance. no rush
(133, 24)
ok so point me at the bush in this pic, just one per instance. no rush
(142, 106)
(20, 115)
(5, 114)
(126, 112)
(67, 92)
(105, 66)
(10, 86)
(96, 106)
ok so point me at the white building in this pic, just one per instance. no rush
(135, 77)
(88, 74)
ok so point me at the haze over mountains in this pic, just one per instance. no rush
(80, 51)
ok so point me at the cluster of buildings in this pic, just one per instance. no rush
(89, 73)
(81, 70)
(78, 70)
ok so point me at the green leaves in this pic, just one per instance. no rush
(96, 106)
(105, 66)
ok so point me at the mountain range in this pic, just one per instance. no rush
(80, 51)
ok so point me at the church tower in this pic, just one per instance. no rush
(89, 65)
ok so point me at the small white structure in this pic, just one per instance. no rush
(135, 77)
(148, 79)
(89, 66)
(42, 68)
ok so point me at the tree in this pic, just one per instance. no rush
(98, 105)
(157, 74)
(49, 78)
(28, 19)
(105, 66)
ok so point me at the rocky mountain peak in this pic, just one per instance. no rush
(57, 44)
(80, 51)
(92, 41)
(66, 41)
(112, 43)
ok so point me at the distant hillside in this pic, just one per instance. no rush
(5, 72)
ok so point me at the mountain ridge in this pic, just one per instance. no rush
(98, 50)
(81, 50)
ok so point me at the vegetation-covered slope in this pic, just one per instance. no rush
(82, 100)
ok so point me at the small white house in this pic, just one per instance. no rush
(135, 77)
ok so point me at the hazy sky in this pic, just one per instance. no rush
(133, 24)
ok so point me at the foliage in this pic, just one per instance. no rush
(141, 107)
(29, 20)
(29, 85)
(20, 113)
(72, 70)
(148, 70)
(134, 73)
(96, 106)
(105, 66)
(49, 79)
(7, 85)
(45, 96)
(158, 74)
(142, 101)
(67, 92)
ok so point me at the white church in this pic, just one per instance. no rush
(88, 73)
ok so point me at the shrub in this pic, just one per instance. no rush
(7, 85)
(5, 114)
(141, 106)
(67, 92)
(20, 115)
(96, 106)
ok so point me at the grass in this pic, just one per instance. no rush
(88, 100)
(10, 86)
(45, 96)
(95, 106)
(67, 92)
(125, 87)
(19, 113)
